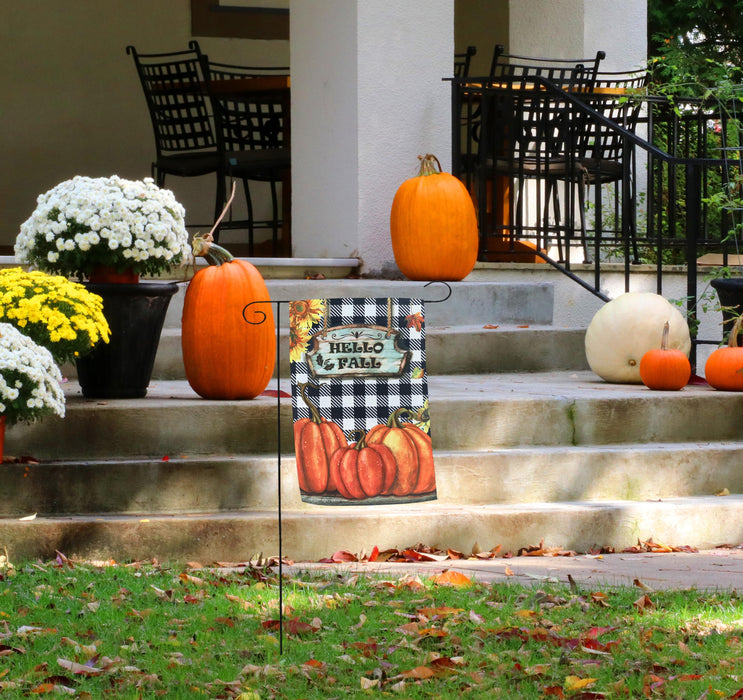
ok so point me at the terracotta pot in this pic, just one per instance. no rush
(104, 274)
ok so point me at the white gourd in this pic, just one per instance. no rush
(625, 328)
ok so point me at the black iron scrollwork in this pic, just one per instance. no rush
(261, 316)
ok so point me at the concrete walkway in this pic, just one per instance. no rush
(720, 569)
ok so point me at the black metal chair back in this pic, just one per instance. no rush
(561, 71)
(173, 86)
(616, 96)
(253, 137)
(257, 121)
(462, 62)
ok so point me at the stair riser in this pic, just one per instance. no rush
(470, 303)
(459, 350)
(509, 476)
(197, 427)
(312, 536)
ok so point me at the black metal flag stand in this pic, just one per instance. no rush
(261, 317)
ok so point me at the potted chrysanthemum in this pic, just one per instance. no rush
(30, 381)
(110, 231)
(56, 313)
(85, 224)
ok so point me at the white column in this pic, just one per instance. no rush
(367, 99)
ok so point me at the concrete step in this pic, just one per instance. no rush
(247, 483)
(481, 327)
(704, 522)
(468, 412)
(449, 350)
(470, 303)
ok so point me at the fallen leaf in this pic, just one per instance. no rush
(438, 612)
(79, 669)
(573, 683)
(641, 585)
(724, 492)
(452, 578)
(643, 603)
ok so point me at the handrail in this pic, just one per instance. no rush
(465, 110)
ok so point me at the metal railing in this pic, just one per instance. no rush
(540, 197)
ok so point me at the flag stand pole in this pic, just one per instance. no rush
(261, 318)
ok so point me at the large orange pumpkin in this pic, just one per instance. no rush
(361, 470)
(225, 356)
(434, 225)
(413, 454)
(315, 441)
(724, 367)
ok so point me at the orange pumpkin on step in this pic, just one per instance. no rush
(724, 367)
(225, 356)
(664, 368)
(434, 225)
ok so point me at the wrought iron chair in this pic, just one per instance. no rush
(462, 62)
(599, 155)
(253, 137)
(185, 143)
(525, 136)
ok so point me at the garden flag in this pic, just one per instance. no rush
(360, 401)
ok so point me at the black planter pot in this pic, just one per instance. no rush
(135, 313)
(730, 293)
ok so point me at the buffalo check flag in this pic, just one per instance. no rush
(360, 401)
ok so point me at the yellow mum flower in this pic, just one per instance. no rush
(56, 313)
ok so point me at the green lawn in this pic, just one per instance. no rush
(145, 630)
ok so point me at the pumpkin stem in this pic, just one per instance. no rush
(394, 419)
(203, 245)
(429, 164)
(735, 332)
(361, 443)
(664, 339)
(315, 416)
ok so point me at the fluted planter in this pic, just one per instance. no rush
(730, 293)
(135, 313)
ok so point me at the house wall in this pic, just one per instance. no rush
(580, 28)
(72, 103)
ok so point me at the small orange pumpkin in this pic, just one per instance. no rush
(724, 367)
(315, 441)
(664, 368)
(413, 454)
(434, 225)
(361, 470)
(224, 356)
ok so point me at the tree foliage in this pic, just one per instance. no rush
(711, 28)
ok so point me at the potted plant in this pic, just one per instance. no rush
(30, 381)
(56, 313)
(111, 231)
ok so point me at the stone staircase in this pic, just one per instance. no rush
(529, 446)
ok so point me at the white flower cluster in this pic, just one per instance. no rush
(136, 219)
(30, 380)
